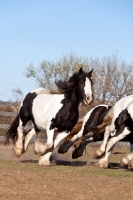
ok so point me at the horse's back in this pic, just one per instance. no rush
(122, 104)
(97, 115)
(47, 103)
(40, 91)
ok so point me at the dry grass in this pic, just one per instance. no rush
(79, 179)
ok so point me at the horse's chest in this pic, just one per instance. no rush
(65, 119)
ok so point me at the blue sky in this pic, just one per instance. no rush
(35, 30)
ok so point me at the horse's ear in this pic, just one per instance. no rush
(81, 70)
(90, 73)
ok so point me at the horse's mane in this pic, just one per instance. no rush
(65, 86)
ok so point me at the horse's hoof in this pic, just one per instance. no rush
(130, 165)
(36, 152)
(17, 152)
(98, 154)
(76, 154)
(39, 147)
(44, 163)
(15, 155)
(62, 149)
(95, 156)
(103, 164)
(122, 164)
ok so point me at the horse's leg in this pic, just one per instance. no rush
(28, 138)
(103, 162)
(44, 160)
(79, 149)
(18, 148)
(102, 147)
(42, 148)
(59, 138)
(65, 145)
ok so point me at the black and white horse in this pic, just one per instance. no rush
(81, 130)
(94, 118)
(117, 124)
(82, 134)
(49, 111)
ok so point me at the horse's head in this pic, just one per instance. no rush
(85, 86)
(81, 83)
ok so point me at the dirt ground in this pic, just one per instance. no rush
(23, 179)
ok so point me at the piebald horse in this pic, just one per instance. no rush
(50, 111)
(81, 132)
(84, 136)
(80, 144)
(118, 124)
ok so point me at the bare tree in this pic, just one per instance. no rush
(113, 80)
(18, 98)
(48, 72)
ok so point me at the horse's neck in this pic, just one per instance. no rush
(72, 97)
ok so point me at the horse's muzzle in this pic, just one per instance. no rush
(87, 100)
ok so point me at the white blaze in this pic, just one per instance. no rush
(88, 91)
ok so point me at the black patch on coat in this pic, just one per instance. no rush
(96, 118)
(127, 138)
(68, 115)
(26, 109)
(124, 120)
(122, 117)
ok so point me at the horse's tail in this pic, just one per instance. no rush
(107, 121)
(75, 130)
(12, 131)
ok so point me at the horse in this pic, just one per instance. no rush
(80, 145)
(94, 117)
(50, 111)
(117, 124)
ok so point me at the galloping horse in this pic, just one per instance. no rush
(49, 111)
(81, 134)
(117, 124)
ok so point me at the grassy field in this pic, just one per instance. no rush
(23, 179)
